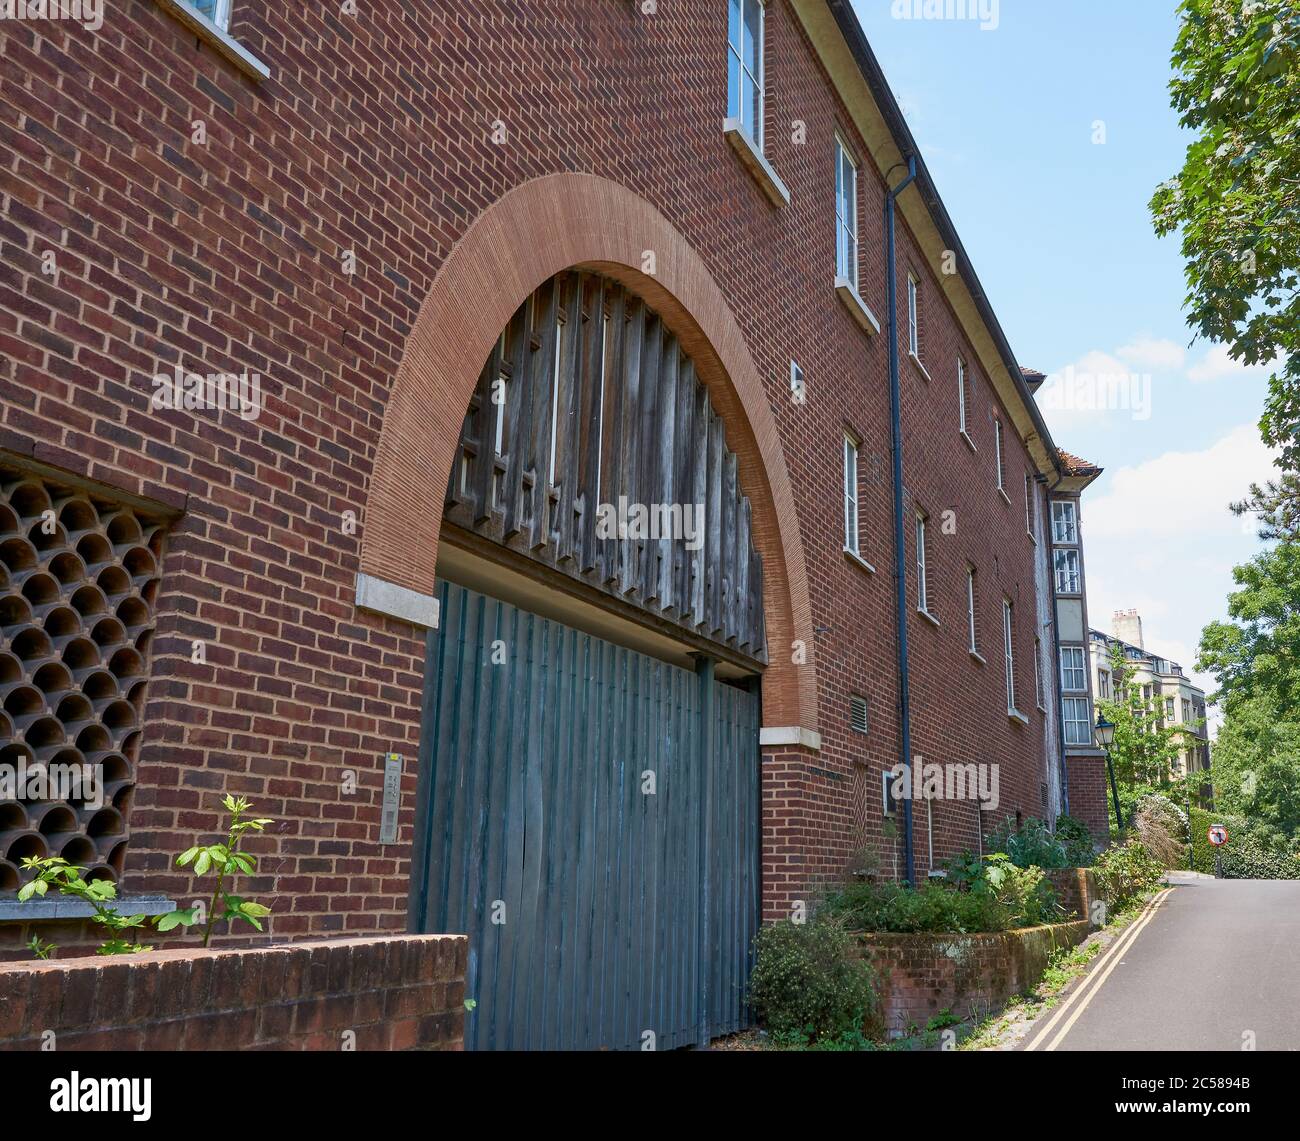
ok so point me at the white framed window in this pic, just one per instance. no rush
(846, 215)
(745, 66)
(1001, 458)
(1065, 522)
(1074, 677)
(218, 11)
(1103, 684)
(852, 542)
(1029, 507)
(922, 586)
(963, 425)
(913, 316)
(1067, 571)
(1078, 721)
(555, 397)
(971, 627)
(1008, 637)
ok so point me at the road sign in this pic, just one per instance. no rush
(1218, 835)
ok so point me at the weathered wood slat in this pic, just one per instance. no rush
(606, 422)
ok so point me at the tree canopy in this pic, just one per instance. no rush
(1236, 201)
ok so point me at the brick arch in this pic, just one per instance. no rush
(529, 235)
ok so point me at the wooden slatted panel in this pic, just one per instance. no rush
(618, 912)
(631, 420)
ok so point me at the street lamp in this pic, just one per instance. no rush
(1105, 733)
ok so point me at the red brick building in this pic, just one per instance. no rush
(461, 274)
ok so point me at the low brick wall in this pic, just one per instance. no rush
(397, 993)
(971, 975)
(1078, 891)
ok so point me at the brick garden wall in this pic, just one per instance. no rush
(921, 976)
(374, 135)
(401, 993)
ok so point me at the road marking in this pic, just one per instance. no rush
(1078, 1002)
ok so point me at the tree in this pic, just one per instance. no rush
(1237, 199)
(1277, 503)
(1257, 767)
(1146, 745)
(1257, 653)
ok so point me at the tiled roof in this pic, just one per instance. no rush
(1075, 466)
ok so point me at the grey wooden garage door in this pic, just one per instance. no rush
(590, 817)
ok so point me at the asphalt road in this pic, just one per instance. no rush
(1217, 960)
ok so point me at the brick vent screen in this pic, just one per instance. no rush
(78, 581)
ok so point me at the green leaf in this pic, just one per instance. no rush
(203, 863)
(186, 856)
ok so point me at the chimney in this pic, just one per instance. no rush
(1127, 626)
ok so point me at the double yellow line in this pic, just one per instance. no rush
(1078, 1002)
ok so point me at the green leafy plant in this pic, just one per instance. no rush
(1074, 836)
(226, 860)
(811, 986)
(39, 948)
(1029, 845)
(1127, 872)
(66, 879)
(1025, 893)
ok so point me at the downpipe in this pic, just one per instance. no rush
(900, 529)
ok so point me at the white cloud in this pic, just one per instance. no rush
(1218, 365)
(1161, 540)
(1182, 495)
(1155, 354)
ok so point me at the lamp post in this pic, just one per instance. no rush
(1105, 733)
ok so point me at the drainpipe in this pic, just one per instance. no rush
(900, 557)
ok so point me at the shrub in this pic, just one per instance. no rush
(1126, 872)
(811, 983)
(1073, 835)
(1160, 826)
(1253, 852)
(1025, 893)
(992, 896)
(1030, 845)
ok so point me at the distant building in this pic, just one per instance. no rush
(1161, 680)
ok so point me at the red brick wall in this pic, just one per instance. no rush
(374, 134)
(921, 976)
(1090, 794)
(401, 993)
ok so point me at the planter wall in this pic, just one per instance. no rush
(971, 975)
(1078, 891)
(399, 993)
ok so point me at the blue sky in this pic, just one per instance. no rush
(1058, 229)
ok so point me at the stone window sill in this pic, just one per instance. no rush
(1002, 492)
(223, 42)
(848, 294)
(978, 657)
(929, 617)
(1016, 717)
(916, 361)
(755, 162)
(969, 442)
(858, 561)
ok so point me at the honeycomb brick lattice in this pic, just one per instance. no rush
(79, 578)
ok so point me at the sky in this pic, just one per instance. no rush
(1046, 136)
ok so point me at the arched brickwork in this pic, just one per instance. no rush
(530, 234)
